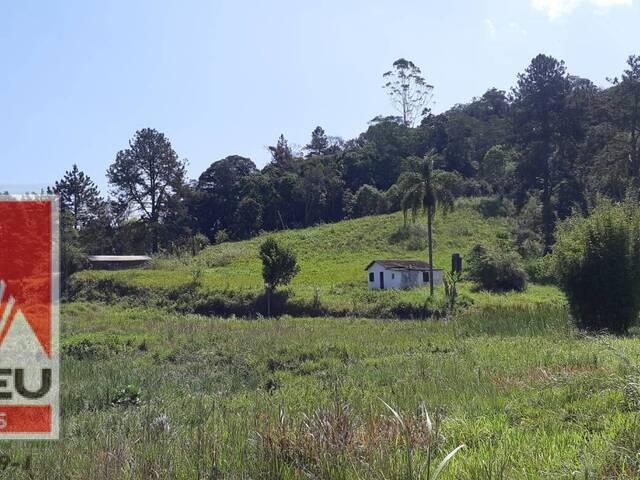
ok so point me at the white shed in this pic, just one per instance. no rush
(117, 262)
(385, 274)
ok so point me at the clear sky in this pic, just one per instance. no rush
(227, 77)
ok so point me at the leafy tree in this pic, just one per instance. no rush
(279, 266)
(85, 223)
(393, 198)
(629, 86)
(368, 200)
(281, 155)
(223, 185)
(285, 210)
(73, 256)
(79, 197)
(423, 192)
(319, 144)
(597, 263)
(146, 175)
(310, 189)
(179, 223)
(408, 89)
(498, 169)
(496, 270)
(357, 166)
(391, 143)
(540, 104)
(248, 218)
(493, 103)
(550, 148)
(568, 167)
(97, 236)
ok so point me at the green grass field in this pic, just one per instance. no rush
(150, 394)
(154, 392)
(332, 260)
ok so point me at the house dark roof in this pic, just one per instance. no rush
(402, 265)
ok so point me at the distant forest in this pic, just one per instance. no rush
(552, 145)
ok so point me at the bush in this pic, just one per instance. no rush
(72, 259)
(279, 266)
(490, 207)
(541, 270)
(393, 198)
(368, 200)
(221, 236)
(200, 242)
(496, 271)
(597, 262)
(528, 233)
(248, 218)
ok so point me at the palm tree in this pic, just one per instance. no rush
(422, 191)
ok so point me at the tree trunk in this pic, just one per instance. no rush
(267, 291)
(430, 245)
(633, 142)
(547, 210)
(155, 241)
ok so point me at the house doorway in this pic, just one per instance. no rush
(381, 280)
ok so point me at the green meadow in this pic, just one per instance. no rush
(332, 259)
(151, 389)
(151, 394)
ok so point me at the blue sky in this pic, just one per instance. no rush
(227, 77)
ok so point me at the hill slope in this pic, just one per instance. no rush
(332, 260)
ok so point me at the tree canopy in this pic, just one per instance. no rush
(549, 147)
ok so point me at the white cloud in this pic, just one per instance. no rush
(513, 28)
(558, 8)
(516, 27)
(490, 26)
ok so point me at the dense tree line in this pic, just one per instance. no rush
(551, 145)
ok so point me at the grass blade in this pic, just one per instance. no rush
(445, 461)
(395, 414)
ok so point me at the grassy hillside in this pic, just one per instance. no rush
(332, 260)
(150, 394)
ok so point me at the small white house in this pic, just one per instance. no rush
(385, 274)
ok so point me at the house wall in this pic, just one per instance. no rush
(376, 269)
(399, 279)
(438, 276)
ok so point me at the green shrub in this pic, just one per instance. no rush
(279, 266)
(597, 262)
(368, 200)
(541, 270)
(528, 233)
(496, 271)
(490, 207)
(200, 242)
(221, 236)
(72, 260)
(247, 218)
